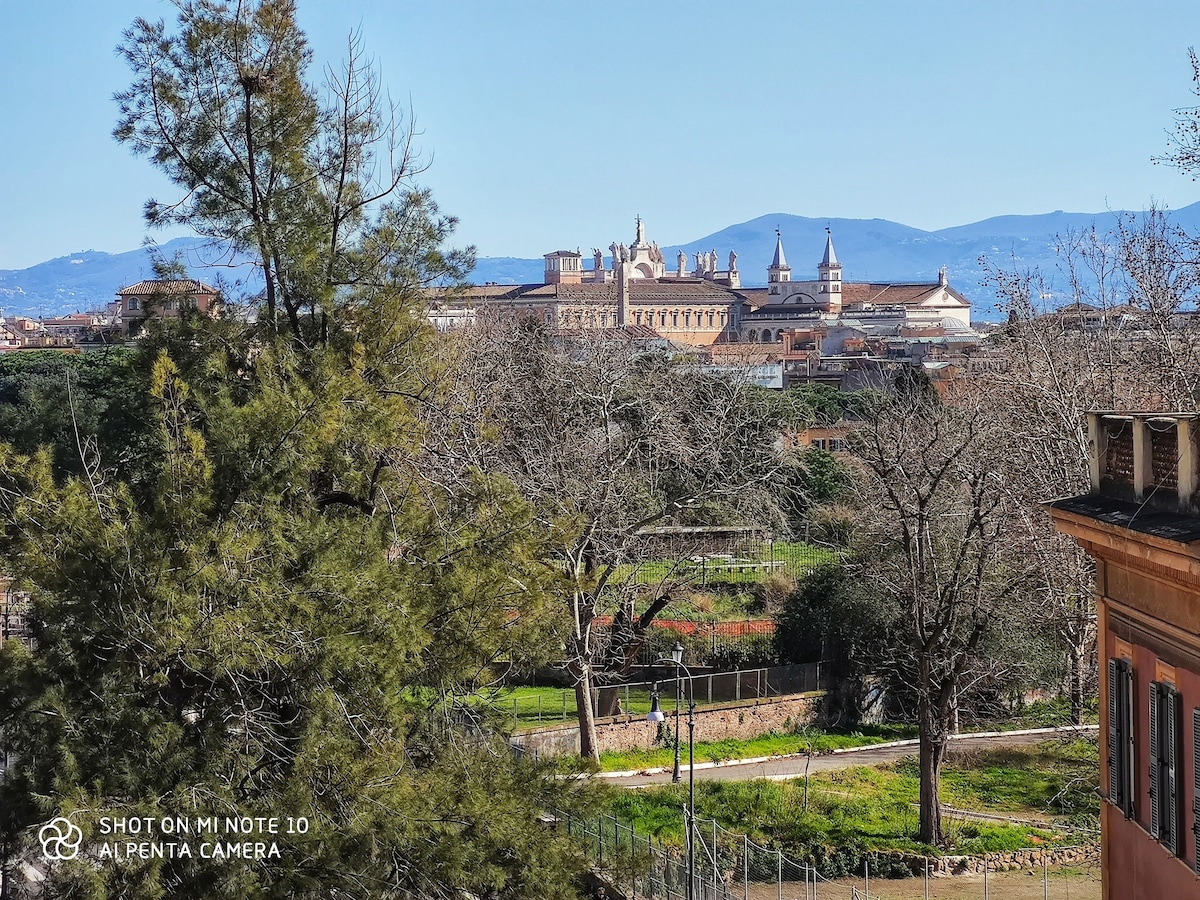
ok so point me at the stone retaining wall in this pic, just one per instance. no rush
(1010, 861)
(738, 721)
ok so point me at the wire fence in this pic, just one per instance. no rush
(728, 644)
(728, 865)
(530, 707)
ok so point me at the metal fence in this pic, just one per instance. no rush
(728, 866)
(724, 687)
(726, 644)
(549, 706)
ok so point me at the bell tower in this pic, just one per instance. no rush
(778, 271)
(829, 274)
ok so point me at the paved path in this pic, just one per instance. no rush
(793, 766)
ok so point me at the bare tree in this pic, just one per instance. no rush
(605, 439)
(934, 541)
(1124, 341)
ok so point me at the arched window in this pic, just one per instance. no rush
(710, 319)
(687, 319)
(752, 336)
(674, 319)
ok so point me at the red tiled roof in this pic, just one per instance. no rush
(649, 290)
(159, 288)
(893, 294)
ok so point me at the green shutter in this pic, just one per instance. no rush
(1155, 767)
(1196, 786)
(1172, 735)
(1128, 781)
(1114, 735)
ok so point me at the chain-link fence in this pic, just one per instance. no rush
(727, 865)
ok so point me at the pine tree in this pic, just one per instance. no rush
(276, 617)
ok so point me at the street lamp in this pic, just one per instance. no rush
(656, 715)
(677, 658)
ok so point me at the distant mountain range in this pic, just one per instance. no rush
(869, 250)
(89, 279)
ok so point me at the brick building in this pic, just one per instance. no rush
(702, 305)
(1140, 523)
(165, 298)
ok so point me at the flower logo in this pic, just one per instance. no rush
(60, 839)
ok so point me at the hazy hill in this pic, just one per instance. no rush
(869, 250)
(89, 279)
(876, 249)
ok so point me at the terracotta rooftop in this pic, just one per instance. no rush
(159, 288)
(643, 290)
(698, 290)
(895, 294)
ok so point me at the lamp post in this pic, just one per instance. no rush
(656, 715)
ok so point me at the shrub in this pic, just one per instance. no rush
(773, 591)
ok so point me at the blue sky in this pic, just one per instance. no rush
(551, 124)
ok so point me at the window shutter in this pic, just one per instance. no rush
(1171, 755)
(1196, 784)
(1114, 734)
(1128, 780)
(1155, 768)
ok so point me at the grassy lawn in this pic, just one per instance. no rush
(746, 566)
(1044, 714)
(873, 808)
(527, 707)
(773, 744)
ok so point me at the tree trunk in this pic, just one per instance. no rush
(932, 753)
(588, 748)
(1078, 654)
(608, 703)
